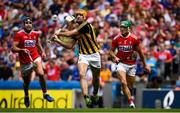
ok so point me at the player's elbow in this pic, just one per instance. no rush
(69, 47)
(70, 34)
(13, 50)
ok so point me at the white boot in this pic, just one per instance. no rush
(132, 105)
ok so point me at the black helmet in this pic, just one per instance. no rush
(25, 19)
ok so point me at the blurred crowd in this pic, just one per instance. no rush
(155, 22)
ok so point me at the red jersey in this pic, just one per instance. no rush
(164, 56)
(126, 48)
(27, 41)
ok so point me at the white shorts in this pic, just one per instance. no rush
(93, 60)
(128, 69)
(37, 59)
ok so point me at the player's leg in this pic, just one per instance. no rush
(96, 84)
(122, 78)
(82, 67)
(26, 83)
(130, 82)
(95, 62)
(26, 71)
(40, 73)
(121, 72)
(96, 74)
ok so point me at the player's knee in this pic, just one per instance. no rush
(123, 81)
(124, 84)
(40, 75)
(82, 76)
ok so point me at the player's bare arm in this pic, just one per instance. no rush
(141, 55)
(15, 48)
(71, 33)
(39, 46)
(64, 30)
(112, 54)
(68, 46)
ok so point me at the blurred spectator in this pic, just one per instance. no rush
(52, 70)
(17, 70)
(152, 63)
(6, 73)
(54, 8)
(174, 86)
(174, 52)
(66, 72)
(105, 73)
(155, 83)
(164, 58)
(140, 71)
(75, 71)
(3, 12)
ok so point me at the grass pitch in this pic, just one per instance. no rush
(94, 110)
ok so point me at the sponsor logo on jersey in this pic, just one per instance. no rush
(125, 48)
(30, 43)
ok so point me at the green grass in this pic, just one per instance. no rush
(90, 110)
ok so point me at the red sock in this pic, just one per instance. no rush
(130, 101)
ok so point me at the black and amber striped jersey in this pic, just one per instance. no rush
(87, 41)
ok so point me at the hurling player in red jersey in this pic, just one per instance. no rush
(27, 44)
(127, 45)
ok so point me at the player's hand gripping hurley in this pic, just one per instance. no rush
(34, 64)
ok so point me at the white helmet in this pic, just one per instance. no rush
(69, 18)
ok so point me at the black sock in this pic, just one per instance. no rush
(86, 96)
(96, 86)
(42, 82)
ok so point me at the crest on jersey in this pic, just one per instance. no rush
(130, 42)
(125, 41)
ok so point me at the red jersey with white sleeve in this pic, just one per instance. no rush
(126, 48)
(164, 56)
(53, 73)
(27, 41)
